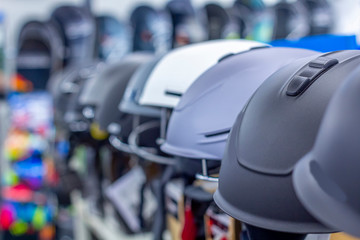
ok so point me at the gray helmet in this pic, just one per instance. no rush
(218, 20)
(198, 131)
(97, 89)
(130, 102)
(275, 129)
(66, 83)
(107, 114)
(77, 28)
(326, 179)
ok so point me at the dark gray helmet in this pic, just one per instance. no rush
(218, 20)
(97, 89)
(326, 179)
(77, 29)
(275, 129)
(64, 84)
(107, 114)
(40, 52)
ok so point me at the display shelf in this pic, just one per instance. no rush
(106, 228)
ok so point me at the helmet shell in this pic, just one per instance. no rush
(178, 69)
(97, 88)
(152, 29)
(130, 101)
(275, 129)
(199, 131)
(113, 38)
(40, 52)
(326, 179)
(107, 111)
(77, 29)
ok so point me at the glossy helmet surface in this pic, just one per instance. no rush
(326, 179)
(178, 69)
(275, 129)
(200, 124)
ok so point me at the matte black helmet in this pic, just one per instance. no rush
(40, 52)
(77, 29)
(276, 128)
(327, 178)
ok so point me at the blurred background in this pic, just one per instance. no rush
(50, 39)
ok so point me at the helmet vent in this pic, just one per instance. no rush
(172, 93)
(217, 133)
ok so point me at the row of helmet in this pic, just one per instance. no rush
(184, 109)
(73, 35)
(281, 120)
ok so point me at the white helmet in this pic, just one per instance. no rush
(178, 69)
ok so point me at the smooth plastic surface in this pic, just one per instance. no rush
(200, 124)
(326, 179)
(268, 138)
(177, 70)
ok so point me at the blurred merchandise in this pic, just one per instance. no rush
(2, 53)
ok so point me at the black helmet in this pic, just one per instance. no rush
(40, 52)
(152, 30)
(64, 84)
(107, 113)
(113, 38)
(326, 179)
(218, 20)
(276, 128)
(77, 29)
